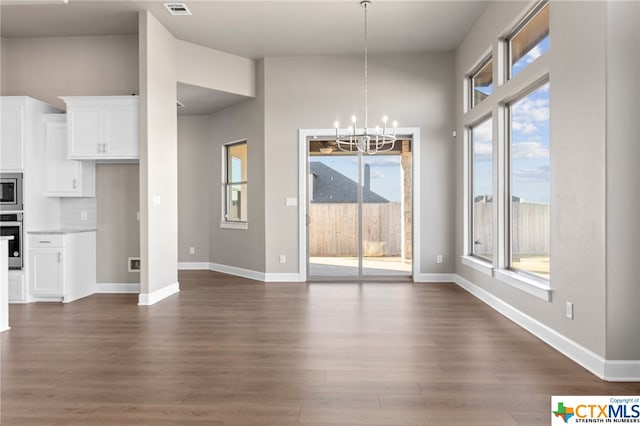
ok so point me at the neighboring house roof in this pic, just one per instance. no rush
(331, 186)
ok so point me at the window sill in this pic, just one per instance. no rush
(234, 225)
(478, 264)
(537, 288)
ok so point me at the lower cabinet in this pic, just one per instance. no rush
(62, 267)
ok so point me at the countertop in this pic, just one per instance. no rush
(62, 231)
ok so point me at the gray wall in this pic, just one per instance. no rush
(118, 235)
(312, 92)
(46, 68)
(590, 213)
(623, 180)
(238, 247)
(194, 187)
(158, 157)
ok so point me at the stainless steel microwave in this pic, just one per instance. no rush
(10, 191)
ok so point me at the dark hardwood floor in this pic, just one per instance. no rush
(229, 351)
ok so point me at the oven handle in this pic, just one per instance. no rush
(10, 223)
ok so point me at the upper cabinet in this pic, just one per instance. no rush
(102, 127)
(12, 142)
(64, 177)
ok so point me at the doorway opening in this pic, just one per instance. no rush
(359, 212)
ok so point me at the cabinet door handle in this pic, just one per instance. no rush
(99, 148)
(105, 148)
(44, 242)
(59, 257)
(75, 184)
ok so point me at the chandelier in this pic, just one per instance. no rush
(354, 139)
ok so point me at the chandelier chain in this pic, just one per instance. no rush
(366, 70)
(360, 139)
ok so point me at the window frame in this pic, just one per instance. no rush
(471, 196)
(529, 16)
(227, 182)
(506, 90)
(508, 179)
(471, 78)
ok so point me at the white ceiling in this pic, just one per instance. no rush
(256, 29)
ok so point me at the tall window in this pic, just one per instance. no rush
(482, 189)
(529, 182)
(235, 184)
(530, 39)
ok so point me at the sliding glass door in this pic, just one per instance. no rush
(359, 212)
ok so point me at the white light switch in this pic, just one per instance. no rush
(156, 200)
(83, 215)
(291, 202)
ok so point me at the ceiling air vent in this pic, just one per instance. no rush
(178, 9)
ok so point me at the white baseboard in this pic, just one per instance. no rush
(433, 278)
(622, 371)
(240, 272)
(115, 288)
(286, 277)
(611, 370)
(193, 266)
(158, 295)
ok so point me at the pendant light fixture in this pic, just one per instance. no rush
(355, 139)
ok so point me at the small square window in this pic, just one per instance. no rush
(530, 39)
(482, 82)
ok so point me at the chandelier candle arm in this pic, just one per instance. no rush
(363, 142)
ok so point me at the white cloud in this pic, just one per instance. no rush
(483, 132)
(525, 128)
(538, 174)
(376, 173)
(482, 150)
(529, 150)
(533, 54)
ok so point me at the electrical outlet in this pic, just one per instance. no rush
(192, 250)
(439, 258)
(283, 258)
(569, 310)
(83, 215)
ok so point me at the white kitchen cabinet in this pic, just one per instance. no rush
(102, 127)
(62, 265)
(65, 177)
(17, 290)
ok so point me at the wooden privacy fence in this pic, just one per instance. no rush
(530, 228)
(333, 229)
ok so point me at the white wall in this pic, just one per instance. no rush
(312, 92)
(238, 247)
(158, 160)
(194, 187)
(592, 176)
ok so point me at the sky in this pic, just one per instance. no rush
(529, 142)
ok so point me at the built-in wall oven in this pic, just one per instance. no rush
(11, 225)
(10, 191)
